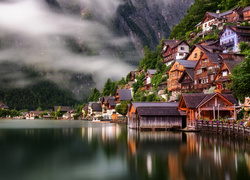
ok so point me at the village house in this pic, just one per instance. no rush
(148, 78)
(108, 106)
(210, 106)
(3, 106)
(123, 95)
(175, 72)
(222, 77)
(217, 20)
(231, 36)
(173, 49)
(94, 110)
(33, 114)
(246, 13)
(187, 80)
(206, 70)
(199, 49)
(155, 115)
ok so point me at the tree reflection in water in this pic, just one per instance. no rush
(179, 156)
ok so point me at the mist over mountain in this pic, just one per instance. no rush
(78, 44)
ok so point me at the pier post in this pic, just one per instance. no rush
(212, 127)
(238, 129)
(221, 127)
(217, 128)
(229, 128)
(233, 128)
(243, 132)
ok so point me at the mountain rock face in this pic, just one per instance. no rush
(146, 22)
(83, 42)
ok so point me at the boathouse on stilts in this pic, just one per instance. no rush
(210, 106)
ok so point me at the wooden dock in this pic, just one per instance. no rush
(228, 129)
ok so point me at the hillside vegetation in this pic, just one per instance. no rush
(197, 11)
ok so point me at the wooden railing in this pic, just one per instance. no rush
(230, 129)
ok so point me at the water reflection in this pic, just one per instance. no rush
(168, 155)
(109, 151)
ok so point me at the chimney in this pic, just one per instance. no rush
(218, 12)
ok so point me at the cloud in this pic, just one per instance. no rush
(37, 36)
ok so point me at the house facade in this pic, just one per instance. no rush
(246, 14)
(148, 78)
(173, 49)
(222, 77)
(3, 106)
(187, 80)
(210, 106)
(231, 36)
(206, 70)
(175, 72)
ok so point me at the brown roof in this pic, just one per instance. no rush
(196, 100)
(154, 104)
(96, 107)
(124, 94)
(158, 111)
(3, 106)
(246, 9)
(189, 72)
(173, 43)
(231, 65)
(63, 108)
(193, 100)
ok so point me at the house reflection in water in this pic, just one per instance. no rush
(177, 156)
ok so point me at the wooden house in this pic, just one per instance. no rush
(95, 110)
(208, 106)
(231, 36)
(211, 21)
(123, 95)
(199, 49)
(222, 77)
(187, 80)
(217, 20)
(206, 70)
(175, 72)
(108, 106)
(148, 78)
(3, 106)
(33, 114)
(173, 49)
(246, 13)
(153, 115)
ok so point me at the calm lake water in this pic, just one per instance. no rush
(77, 150)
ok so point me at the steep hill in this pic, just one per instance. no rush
(78, 44)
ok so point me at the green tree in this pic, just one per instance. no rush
(94, 95)
(122, 108)
(240, 79)
(58, 113)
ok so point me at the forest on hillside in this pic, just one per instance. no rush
(197, 11)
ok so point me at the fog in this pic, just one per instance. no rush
(37, 38)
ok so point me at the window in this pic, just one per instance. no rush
(246, 12)
(199, 71)
(224, 73)
(228, 32)
(225, 34)
(195, 55)
(212, 77)
(182, 48)
(195, 82)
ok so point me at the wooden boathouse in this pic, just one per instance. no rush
(210, 106)
(155, 116)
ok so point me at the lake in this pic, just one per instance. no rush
(78, 150)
